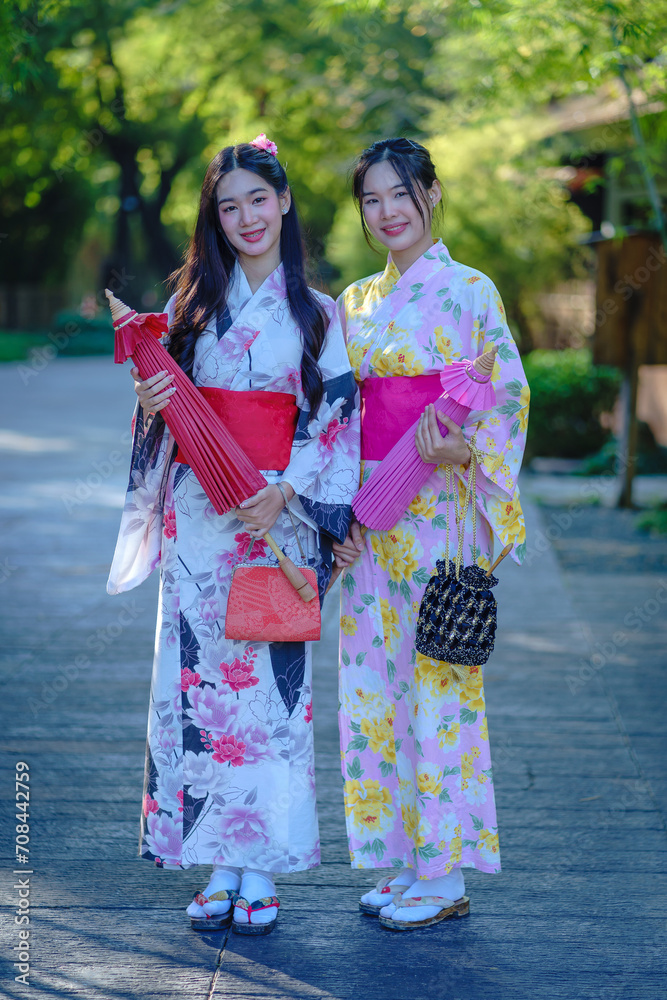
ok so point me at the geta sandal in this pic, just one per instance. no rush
(260, 904)
(448, 908)
(214, 921)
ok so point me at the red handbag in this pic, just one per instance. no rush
(263, 606)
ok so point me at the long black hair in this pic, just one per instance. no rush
(202, 283)
(411, 161)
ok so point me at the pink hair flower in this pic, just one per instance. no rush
(261, 142)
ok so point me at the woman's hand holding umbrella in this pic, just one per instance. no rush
(155, 392)
(435, 448)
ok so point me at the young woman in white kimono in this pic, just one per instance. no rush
(414, 737)
(229, 769)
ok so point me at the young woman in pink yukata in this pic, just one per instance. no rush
(415, 744)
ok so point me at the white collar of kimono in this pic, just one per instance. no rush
(240, 292)
(391, 269)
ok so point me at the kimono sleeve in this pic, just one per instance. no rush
(500, 433)
(324, 464)
(137, 551)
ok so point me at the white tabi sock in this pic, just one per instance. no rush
(222, 877)
(449, 886)
(406, 876)
(256, 885)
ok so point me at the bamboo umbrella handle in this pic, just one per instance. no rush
(337, 570)
(292, 572)
(506, 551)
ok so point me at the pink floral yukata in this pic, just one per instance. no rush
(415, 743)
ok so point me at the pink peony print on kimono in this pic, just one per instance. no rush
(188, 679)
(169, 526)
(230, 765)
(328, 437)
(239, 674)
(248, 548)
(150, 805)
(226, 750)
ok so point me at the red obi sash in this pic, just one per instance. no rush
(261, 422)
(389, 406)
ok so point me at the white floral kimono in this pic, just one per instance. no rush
(229, 764)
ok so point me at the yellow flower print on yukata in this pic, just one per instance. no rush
(499, 302)
(416, 826)
(356, 352)
(455, 846)
(472, 690)
(429, 780)
(367, 698)
(407, 795)
(484, 729)
(348, 625)
(436, 675)
(369, 805)
(511, 527)
(390, 623)
(488, 845)
(468, 765)
(445, 346)
(424, 505)
(449, 735)
(380, 734)
(395, 360)
(524, 402)
(397, 552)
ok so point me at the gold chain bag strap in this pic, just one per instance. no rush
(458, 613)
(263, 606)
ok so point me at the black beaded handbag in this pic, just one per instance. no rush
(458, 612)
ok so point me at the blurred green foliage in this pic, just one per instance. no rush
(650, 459)
(17, 345)
(110, 112)
(654, 521)
(568, 394)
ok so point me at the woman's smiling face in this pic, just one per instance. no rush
(390, 214)
(250, 212)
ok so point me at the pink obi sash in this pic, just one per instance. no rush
(262, 422)
(389, 406)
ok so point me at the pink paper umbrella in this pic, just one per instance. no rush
(395, 482)
(224, 470)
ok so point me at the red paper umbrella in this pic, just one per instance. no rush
(222, 467)
(395, 482)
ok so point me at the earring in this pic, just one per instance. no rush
(285, 211)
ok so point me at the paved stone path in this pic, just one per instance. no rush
(576, 703)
